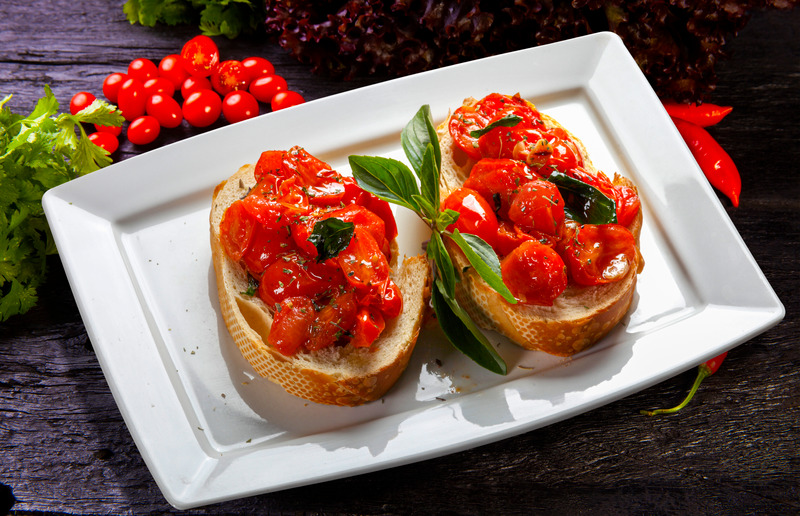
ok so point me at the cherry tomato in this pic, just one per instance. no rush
(257, 67)
(598, 254)
(202, 108)
(285, 99)
(332, 322)
(131, 99)
(475, 214)
(107, 141)
(158, 85)
(114, 130)
(364, 266)
(392, 303)
(111, 85)
(165, 109)
(564, 156)
(509, 237)
(505, 142)
(229, 76)
(534, 273)
(80, 101)
(291, 324)
(142, 69)
(265, 87)
(171, 68)
(269, 162)
(200, 56)
(236, 230)
(295, 275)
(143, 130)
(499, 181)
(538, 206)
(193, 84)
(368, 327)
(238, 106)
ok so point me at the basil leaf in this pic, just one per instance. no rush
(506, 121)
(445, 218)
(444, 265)
(483, 258)
(463, 333)
(429, 175)
(586, 204)
(415, 138)
(387, 178)
(428, 210)
(331, 236)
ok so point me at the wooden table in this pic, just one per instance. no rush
(65, 447)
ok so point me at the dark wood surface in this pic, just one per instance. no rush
(734, 450)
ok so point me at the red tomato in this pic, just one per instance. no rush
(498, 181)
(509, 237)
(598, 254)
(142, 69)
(285, 99)
(171, 68)
(200, 56)
(564, 156)
(107, 141)
(538, 206)
(202, 108)
(332, 322)
(143, 130)
(291, 324)
(80, 101)
(236, 230)
(368, 327)
(475, 214)
(269, 162)
(257, 67)
(534, 273)
(504, 142)
(193, 84)
(111, 86)
(392, 303)
(158, 85)
(238, 106)
(131, 99)
(625, 198)
(364, 266)
(229, 76)
(265, 87)
(114, 130)
(165, 109)
(295, 275)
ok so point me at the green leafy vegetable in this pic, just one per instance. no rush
(394, 182)
(506, 121)
(214, 17)
(585, 203)
(38, 152)
(331, 236)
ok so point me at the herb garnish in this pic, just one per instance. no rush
(394, 182)
(506, 121)
(331, 236)
(585, 203)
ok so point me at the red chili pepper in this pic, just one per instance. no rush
(703, 115)
(715, 163)
(705, 370)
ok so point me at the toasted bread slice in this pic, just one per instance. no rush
(337, 375)
(578, 318)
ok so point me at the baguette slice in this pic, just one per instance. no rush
(338, 375)
(579, 317)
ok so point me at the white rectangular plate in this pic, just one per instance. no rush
(134, 242)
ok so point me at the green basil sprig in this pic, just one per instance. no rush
(418, 190)
(506, 121)
(331, 236)
(585, 203)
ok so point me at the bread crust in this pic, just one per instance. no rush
(579, 317)
(339, 375)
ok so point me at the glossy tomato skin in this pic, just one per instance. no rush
(171, 69)
(229, 76)
(111, 85)
(535, 273)
(202, 108)
(328, 325)
(238, 106)
(115, 130)
(538, 207)
(498, 181)
(598, 254)
(291, 325)
(286, 99)
(475, 214)
(295, 275)
(143, 130)
(142, 69)
(131, 99)
(368, 326)
(257, 67)
(364, 266)
(192, 84)
(265, 87)
(236, 230)
(200, 56)
(80, 101)
(160, 86)
(165, 109)
(107, 141)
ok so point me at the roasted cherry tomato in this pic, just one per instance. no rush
(142, 69)
(143, 130)
(265, 87)
(80, 101)
(192, 84)
(286, 99)
(505, 142)
(333, 322)
(291, 324)
(364, 266)
(475, 214)
(200, 56)
(534, 273)
(498, 181)
(295, 275)
(171, 68)
(368, 326)
(269, 162)
(236, 230)
(131, 99)
(111, 86)
(597, 254)
(107, 141)
(160, 86)
(229, 76)
(257, 67)
(538, 206)
(238, 106)
(392, 303)
(202, 108)
(165, 109)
